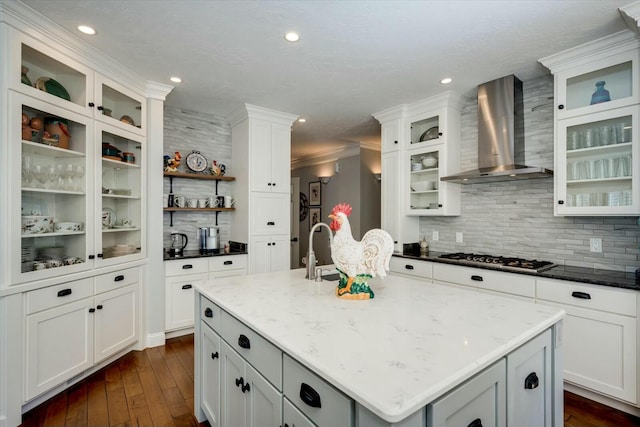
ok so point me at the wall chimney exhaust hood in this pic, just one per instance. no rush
(500, 136)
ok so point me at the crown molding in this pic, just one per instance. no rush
(157, 90)
(631, 16)
(248, 111)
(332, 155)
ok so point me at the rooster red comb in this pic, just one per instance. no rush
(341, 207)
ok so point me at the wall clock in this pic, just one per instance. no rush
(196, 161)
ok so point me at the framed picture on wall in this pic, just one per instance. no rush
(314, 218)
(315, 198)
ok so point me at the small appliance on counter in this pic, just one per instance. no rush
(178, 243)
(209, 239)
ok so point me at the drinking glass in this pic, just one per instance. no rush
(589, 138)
(27, 170)
(78, 172)
(39, 173)
(573, 141)
(596, 169)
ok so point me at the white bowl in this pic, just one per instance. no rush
(422, 186)
(37, 224)
(416, 166)
(429, 162)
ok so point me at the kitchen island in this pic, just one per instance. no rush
(399, 359)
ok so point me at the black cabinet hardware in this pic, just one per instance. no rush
(215, 355)
(185, 287)
(99, 255)
(395, 142)
(99, 306)
(560, 107)
(409, 267)
(64, 292)
(239, 382)
(561, 202)
(477, 278)
(243, 341)
(92, 310)
(475, 423)
(440, 205)
(227, 262)
(581, 295)
(271, 223)
(100, 108)
(91, 104)
(531, 381)
(187, 266)
(274, 184)
(208, 312)
(269, 184)
(246, 388)
(118, 278)
(310, 396)
(92, 257)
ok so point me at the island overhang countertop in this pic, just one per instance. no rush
(393, 354)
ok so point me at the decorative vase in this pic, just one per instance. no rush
(601, 94)
(23, 76)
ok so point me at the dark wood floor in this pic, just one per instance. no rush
(154, 387)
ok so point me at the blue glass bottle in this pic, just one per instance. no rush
(601, 94)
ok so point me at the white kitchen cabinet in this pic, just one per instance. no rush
(507, 284)
(410, 267)
(480, 402)
(600, 336)
(269, 253)
(391, 135)
(97, 202)
(529, 373)
(210, 352)
(597, 99)
(261, 147)
(292, 417)
(74, 325)
(402, 229)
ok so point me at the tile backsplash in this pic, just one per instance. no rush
(515, 218)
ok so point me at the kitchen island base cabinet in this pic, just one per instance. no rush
(210, 357)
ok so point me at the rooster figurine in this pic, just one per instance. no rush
(356, 261)
(171, 163)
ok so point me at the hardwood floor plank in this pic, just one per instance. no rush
(152, 391)
(161, 370)
(181, 377)
(129, 374)
(56, 411)
(176, 403)
(116, 400)
(582, 412)
(97, 407)
(77, 406)
(186, 358)
(139, 414)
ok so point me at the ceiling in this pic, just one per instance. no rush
(354, 58)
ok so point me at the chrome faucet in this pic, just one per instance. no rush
(311, 255)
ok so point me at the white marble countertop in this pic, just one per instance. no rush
(393, 354)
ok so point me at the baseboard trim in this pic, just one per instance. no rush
(155, 340)
(621, 406)
(178, 333)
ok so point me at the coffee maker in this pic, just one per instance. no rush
(209, 239)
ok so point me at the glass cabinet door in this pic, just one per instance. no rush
(49, 226)
(425, 130)
(611, 83)
(118, 106)
(119, 201)
(598, 164)
(424, 182)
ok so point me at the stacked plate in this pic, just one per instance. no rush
(119, 250)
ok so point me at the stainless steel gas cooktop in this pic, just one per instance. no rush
(498, 262)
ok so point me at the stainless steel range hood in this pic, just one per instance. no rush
(500, 136)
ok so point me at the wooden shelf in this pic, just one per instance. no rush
(198, 176)
(174, 209)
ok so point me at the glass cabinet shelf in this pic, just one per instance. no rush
(599, 86)
(425, 130)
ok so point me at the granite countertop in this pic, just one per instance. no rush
(197, 254)
(393, 354)
(593, 276)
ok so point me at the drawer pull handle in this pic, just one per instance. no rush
(243, 341)
(477, 279)
(187, 266)
(310, 396)
(475, 423)
(408, 267)
(208, 312)
(187, 286)
(99, 306)
(581, 295)
(64, 292)
(531, 381)
(215, 355)
(228, 262)
(92, 310)
(246, 388)
(119, 278)
(271, 223)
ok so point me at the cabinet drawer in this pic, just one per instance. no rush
(179, 300)
(421, 269)
(293, 417)
(316, 398)
(186, 266)
(617, 301)
(509, 283)
(53, 296)
(211, 314)
(224, 263)
(117, 279)
(264, 356)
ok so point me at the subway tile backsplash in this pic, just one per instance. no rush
(515, 218)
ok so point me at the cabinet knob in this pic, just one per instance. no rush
(246, 388)
(310, 396)
(477, 278)
(215, 355)
(244, 342)
(100, 255)
(475, 423)
(92, 257)
(269, 184)
(208, 312)
(561, 107)
(274, 184)
(271, 223)
(239, 382)
(273, 244)
(531, 381)
(99, 306)
(100, 108)
(91, 104)
(395, 142)
(92, 310)
(561, 202)
(439, 133)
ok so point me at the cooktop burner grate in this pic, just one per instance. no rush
(505, 263)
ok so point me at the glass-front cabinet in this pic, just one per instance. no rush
(76, 174)
(597, 163)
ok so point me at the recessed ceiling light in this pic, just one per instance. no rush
(446, 81)
(301, 120)
(176, 79)
(86, 30)
(292, 37)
